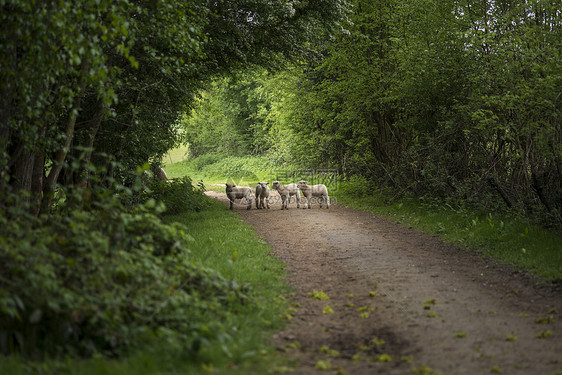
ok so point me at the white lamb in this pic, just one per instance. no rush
(233, 192)
(286, 191)
(320, 191)
(262, 193)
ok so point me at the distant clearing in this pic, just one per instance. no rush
(176, 155)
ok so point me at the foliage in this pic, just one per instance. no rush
(225, 119)
(404, 106)
(96, 282)
(246, 114)
(122, 73)
(357, 186)
(449, 99)
(241, 346)
(177, 195)
(219, 123)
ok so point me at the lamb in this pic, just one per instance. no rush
(233, 192)
(286, 191)
(262, 193)
(320, 191)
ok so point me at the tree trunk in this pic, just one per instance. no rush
(49, 187)
(38, 177)
(4, 140)
(96, 123)
(22, 171)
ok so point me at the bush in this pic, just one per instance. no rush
(178, 195)
(97, 282)
(357, 187)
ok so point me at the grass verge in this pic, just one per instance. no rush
(508, 239)
(221, 241)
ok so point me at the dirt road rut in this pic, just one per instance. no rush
(401, 302)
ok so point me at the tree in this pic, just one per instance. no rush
(443, 98)
(455, 99)
(121, 73)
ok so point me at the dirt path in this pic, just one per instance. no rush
(402, 296)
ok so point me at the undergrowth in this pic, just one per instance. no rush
(139, 289)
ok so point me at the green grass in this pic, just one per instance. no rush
(176, 155)
(224, 243)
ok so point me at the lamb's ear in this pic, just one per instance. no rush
(267, 183)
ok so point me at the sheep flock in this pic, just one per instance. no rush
(286, 192)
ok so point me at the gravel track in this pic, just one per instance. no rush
(434, 305)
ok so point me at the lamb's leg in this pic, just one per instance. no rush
(283, 202)
(327, 201)
(320, 200)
